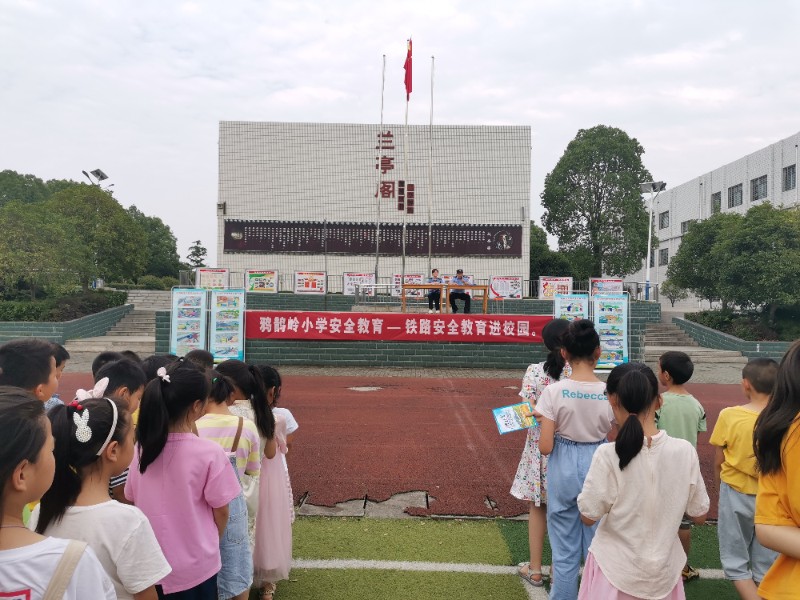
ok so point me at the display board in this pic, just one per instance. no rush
(212, 279)
(227, 324)
(351, 280)
(599, 285)
(550, 286)
(410, 278)
(261, 281)
(188, 324)
(611, 322)
(310, 282)
(505, 287)
(571, 306)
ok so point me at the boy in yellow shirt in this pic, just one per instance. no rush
(744, 560)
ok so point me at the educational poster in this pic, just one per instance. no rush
(505, 287)
(550, 286)
(351, 280)
(188, 326)
(571, 306)
(227, 324)
(261, 281)
(611, 322)
(211, 279)
(605, 286)
(310, 282)
(410, 278)
(512, 418)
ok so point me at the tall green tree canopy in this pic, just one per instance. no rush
(593, 204)
(197, 254)
(543, 261)
(162, 247)
(29, 189)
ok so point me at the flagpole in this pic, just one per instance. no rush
(430, 172)
(378, 193)
(405, 207)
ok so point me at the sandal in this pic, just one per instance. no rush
(530, 576)
(267, 592)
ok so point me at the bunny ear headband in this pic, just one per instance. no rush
(98, 391)
(83, 433)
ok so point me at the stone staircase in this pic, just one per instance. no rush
(136, 331)
(663, 337)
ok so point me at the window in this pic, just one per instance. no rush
(758, 188)
(685, 226)
(789, 177)
(663, 257)
(663, 220)
(735, 196)
(716, 202)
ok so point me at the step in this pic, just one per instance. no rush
(696, 353)
(140, 344)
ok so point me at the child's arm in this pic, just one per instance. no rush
(719, 458)
(148, 594)
(547, 435)
(270, 448)
(221, 518)
(781, 538)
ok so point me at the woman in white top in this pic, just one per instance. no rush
(94, 442)
(28, 561)
(639, 489)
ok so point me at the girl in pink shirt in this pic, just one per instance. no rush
(182, 483)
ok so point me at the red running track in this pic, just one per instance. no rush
(432, 435)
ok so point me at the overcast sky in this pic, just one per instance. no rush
(137, 88)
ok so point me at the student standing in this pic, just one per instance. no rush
(777, 447)
(681, 416)
(639, 488)
(575, 419)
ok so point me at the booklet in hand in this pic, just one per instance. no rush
(511, 418)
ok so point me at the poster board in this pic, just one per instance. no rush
(505, 287)
(550, 286)
(261, 281)
(598, 285)
(311, 282)
(571, 306)
(227, 324)
(188, 327)
(410, 278)
(211, 279)
(611, 322)
(351, 280)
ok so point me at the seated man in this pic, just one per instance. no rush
(459, 294)
(434, 295)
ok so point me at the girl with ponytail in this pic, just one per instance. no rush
(640, 486)
(93, 443)
(181, 482)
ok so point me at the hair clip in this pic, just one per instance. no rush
(98, 391)
(111, 431)
(162, 372)
(76, 405)
(83, 433)
(214, 379)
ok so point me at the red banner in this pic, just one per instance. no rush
(395, 327)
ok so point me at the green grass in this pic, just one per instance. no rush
(496, 542)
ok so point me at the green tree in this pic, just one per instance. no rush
(162, 246)
(197, 254)
(31, 247)
(543, 261)
(105, 241)
(24, 188)
(593, 204)
(701, 261)
(672, 292)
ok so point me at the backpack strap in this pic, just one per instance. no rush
(238, 435)
(64, 570)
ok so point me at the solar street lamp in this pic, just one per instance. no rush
(651, 187)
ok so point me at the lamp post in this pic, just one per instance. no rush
(653, 187)
(98, 177)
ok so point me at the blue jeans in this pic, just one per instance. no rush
(236, 574)
(567, 467)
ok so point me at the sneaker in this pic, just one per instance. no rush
(430, 311)
(689, 573)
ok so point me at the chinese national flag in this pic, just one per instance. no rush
(407, 67)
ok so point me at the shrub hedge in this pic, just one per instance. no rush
(63, 308)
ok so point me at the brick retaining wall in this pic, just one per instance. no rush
(88, 326)
(711, 338)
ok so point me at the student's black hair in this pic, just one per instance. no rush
(678, 365)
(25, 362)
(780, 413)
(153, 363)
(122, 373)
(60, 354)
(104, 358)
(637, 391)
(202, 358)
(248, 379)
(75, 458)
(131, 355)
(552, 335)
(761, 373)
(272, 379)
(221, 387)
(166, 402)
(618, 372)
(580, 339)
(22, 431)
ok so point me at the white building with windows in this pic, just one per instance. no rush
(767, 175)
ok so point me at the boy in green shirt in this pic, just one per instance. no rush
(681, 416)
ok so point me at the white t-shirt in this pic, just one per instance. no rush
(291, 423)
(25, 573)
(579, 409)
(640, 509)
(122, 539)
